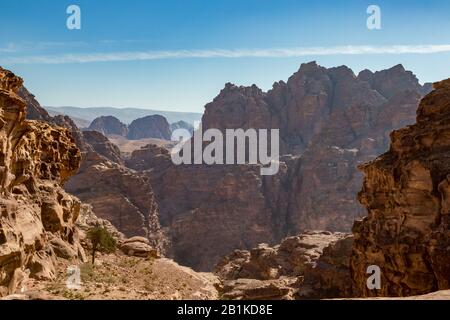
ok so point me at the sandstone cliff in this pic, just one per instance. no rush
(37, 220)
(406, 192)
(335, 120)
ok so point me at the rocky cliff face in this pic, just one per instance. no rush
(109, 125)
(155, 126)
(119, 195)
(34, 109)
(204, 209)
(406, 192)
(115, 192)
(37, 220)
(103, 146)
(335, 120)
(330, 121)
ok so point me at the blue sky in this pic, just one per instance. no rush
(178, 54)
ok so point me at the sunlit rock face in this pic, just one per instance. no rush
(406, 192)
(37, 217)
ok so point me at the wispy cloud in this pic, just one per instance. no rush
(33, 46)
(225, 53)
(9, 48)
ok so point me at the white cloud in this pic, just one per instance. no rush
(226, 53)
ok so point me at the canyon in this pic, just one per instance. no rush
(307, 232)
(330, 121)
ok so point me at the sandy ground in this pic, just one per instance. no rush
(118, 277)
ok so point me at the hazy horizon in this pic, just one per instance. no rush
(177, 55)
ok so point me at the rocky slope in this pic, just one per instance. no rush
(155, 126)
(406, 192)
(34, 109)
(103, 146)
(37, 220)
(109, 125)
(119, 195)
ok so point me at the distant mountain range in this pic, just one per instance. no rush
(84, 116)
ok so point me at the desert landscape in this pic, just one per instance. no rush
(226, 158)
(362, 181)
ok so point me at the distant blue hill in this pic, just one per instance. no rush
(125, 115)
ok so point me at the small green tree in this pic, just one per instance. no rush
(101, 241)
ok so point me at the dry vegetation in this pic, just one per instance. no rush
(116, 276)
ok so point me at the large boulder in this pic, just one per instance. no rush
(138, 247)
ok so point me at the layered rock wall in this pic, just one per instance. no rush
(406, 192)
(37, 217)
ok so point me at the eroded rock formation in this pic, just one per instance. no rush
(205, 210)
(119, 195)
(406, 192)
(103, 146)
(330, 121)
(311, 265)
(154, 126)
(335, 120)
(37, 217)
(109, 125)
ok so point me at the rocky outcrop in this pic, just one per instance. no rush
(69, 124)
(34, 109)
(138, 247)
(155, 126)
(405, 191)
(37, 217)
(103, 146)
(87, 220)
(335, 120)
(312, 265)
(150, 157)
(109, 125)
(119, 195)
(252, 289)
